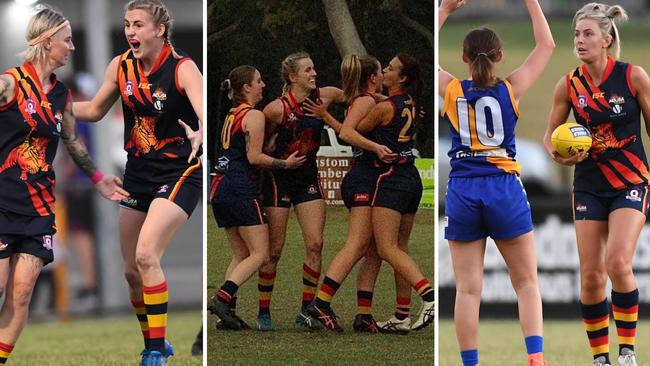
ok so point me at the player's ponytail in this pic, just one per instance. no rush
(355, 73)
(482, 49)
(606, 16)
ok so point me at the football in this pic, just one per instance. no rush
(571, 138)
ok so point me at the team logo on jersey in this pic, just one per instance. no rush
(47, 242)
(58, 116)
(581, 207)
(160, 96)
(3, 246)
(617, 109)
(634, 195)
(163, 189)
(222, 163)
(285, 198)
(128, 90)
(615, 99)
(30, 106)
(292, 117)
(582, 101)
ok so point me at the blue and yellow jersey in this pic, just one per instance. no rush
(482, 128)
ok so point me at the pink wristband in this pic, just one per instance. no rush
(97, 177)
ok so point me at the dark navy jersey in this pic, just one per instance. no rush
(483, 124)
(31, 125)
(612, 114)
(233, 170)
(399, 134)
(298, 132)
(152, 105)
(357, 152)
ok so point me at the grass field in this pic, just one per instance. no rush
(113, 341)
(501, 343)
(517, 41)
(293, 346)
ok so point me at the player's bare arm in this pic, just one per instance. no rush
(96, 109)
(7, 89)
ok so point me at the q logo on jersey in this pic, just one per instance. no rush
(128, 90)
(582, 101)
(29, 107)
(58, 116)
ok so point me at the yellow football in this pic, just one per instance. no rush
(571, 138)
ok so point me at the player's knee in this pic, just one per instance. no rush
(146, 260)
(133, 278)
(22, 295)
(618, 267)
(593, 281)
(315, 247)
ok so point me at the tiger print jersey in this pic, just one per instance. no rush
(611, 112)
(31, 124)
(298, 132)
(152, 105)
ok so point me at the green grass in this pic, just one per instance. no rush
(517, 40)
(501, 343)
(293, 346)
(113, 341)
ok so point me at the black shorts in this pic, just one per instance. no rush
(175, 180)
(359, 184)
(238, 212)
(283, 188)
(26, 234)
(598, 206)
(399, 187)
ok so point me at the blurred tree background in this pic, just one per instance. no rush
(263, 33)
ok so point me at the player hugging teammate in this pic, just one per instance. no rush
(383, 132)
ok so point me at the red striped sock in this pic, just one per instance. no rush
(596, 321)
(309, 284)
(364, 302)
(265, 281)
(326, 292)
(155, 299)
(423, 288)
(5, 352)
(141, 313)
(403, 308)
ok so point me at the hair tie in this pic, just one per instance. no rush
(47, 34)
(482, 54)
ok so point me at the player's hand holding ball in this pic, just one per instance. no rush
(571, 142)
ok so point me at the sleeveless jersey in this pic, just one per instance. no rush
(298, 132)
(612, 114)
(482, 128)
(152, 105)
(31, 125)
(399, 134)
(233, 169)
(359, 154)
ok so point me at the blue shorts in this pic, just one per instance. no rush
(494, 206)
(598, 206)
(286, 188)
(239, 212)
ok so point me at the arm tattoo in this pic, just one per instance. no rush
(75, 146)
(4, 88)
(279, 164)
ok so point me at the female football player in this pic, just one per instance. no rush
(161, 92)
(361, 81)
(234, 191)
(35, 109)
(294, 130)
(485, 196)
(610, 184)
